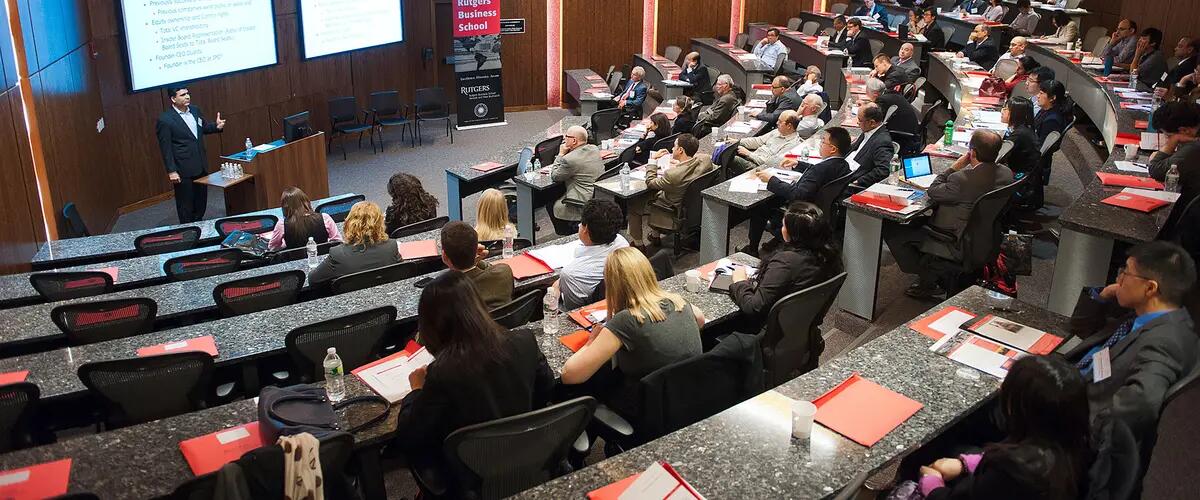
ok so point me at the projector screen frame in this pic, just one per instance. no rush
(304, 52)
(120, 7)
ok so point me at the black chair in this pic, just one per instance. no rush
(358, 339)
(685, 219)
(139, 390)
(927, 119)
(520, 311)
(259, 293)
(829, 195)
(666, 143)
(171, 240)
(661, 263)
(75, 224)
(604, 123)
(420, 227)
(387, 111)
(344, 120)
(18, 403)
(336, 450)
(1116, 470)
(547, 150)
(791, 339)
(503, 457)
(253, 224)
(56, 286)
(374, 277)
(200, 265)
(725, 162)
(290, 254)
(1175, 442)
(496, 247)
(850, 491)
(338, 209)
(431, 105)
(90, 322)
(977, 243)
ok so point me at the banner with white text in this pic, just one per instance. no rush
(477, 63)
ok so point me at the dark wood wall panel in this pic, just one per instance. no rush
(773, 11)
(1176, 18)
(524, 55)
(599, 34)
(21, 233)
(679, 21)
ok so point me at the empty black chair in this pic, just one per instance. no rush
(56, 286)
(604, 123)
(338, 209)
(199, 265)
(259, 293)
(358, 339)
(430, 105)
(520, 311)
(496, 247)
(253, 224)
(290, 254)
(344, 120)
(791, 340)
(505, 456)
(547, 150)
(18, 402)
(977, 243)
(171, 240)
(90, 322)
(139, 390)
(387, 111)
(75, 224)
(830, 194)
(420, 227)
(375, 277)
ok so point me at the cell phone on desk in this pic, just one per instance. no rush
(720, 283)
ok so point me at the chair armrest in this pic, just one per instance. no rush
(939, 234)
(610, 421)
(582, 444)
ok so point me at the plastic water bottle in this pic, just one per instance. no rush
(313, 260)
(948, 139)
(249, 148)
(335, 386)
(550, 312)
(1133, 79)
(624, 176)
(1172, 180)
(509, 234)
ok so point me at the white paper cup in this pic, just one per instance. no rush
(693, 280)
(802, 418)
(1131, 152)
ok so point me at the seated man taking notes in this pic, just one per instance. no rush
(685, 167)
(462, 252)
(601, 219)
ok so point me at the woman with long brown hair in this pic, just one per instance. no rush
(365, 246)
(410, 202)
(301, 222)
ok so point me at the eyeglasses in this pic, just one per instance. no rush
(1121, 272)
(777, 86)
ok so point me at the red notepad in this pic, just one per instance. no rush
(941, 323)
(992, 101)
(843, 409)
(883, 202)
(1125, 138)
(43, 480)
(614, 490)
(979, 73)
(1141, 124)
(1123, 180)
(761, 86)
(575, 341)
(524, 266)
(204, 344)
(210, 452)
(487, 167)
(13, 377)
(580, 315)
(1136, 202)
(418, 249)
(595, 77)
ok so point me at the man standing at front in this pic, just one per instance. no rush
(180, 133)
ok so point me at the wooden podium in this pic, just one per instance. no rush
(300, 163)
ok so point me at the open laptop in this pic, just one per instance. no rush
(918, 171)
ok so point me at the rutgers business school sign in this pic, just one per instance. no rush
(477, 63)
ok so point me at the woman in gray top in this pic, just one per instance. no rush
(365, 246)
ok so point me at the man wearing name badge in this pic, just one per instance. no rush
(872, 152)
(856, 45)
(873, 10)
(1152, 347)
(981, 49)
(905, 61)
(1016, 50)
(891, 76)
(631, 97)
(180, 132)
(767, 150)
(695, 73)
(953, 193)
(783, 98)
(770, 49)
(1148, 60)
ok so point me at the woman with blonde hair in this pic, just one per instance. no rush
(301, 222)
(491, 215)
(365, 246)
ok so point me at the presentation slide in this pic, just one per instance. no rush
(171, 41)
(332, 26)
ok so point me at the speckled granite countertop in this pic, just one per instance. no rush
(508, 153)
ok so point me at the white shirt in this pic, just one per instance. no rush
(581, 276)
(866, 137)
(190, 120)
(770, 53)
(809, 88)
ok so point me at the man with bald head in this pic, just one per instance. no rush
(577, 166)
(1016, 50)
(767, 150)
(695, 73)
(907, 63)
(783, 98)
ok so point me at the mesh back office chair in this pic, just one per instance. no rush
(741, 41)
(1175, 444)
(258, 293)
(56, 286)
(344, 120)
(547, 150)
(431, 106)
(791, 340)
(614, 81)
(336, 450)
(200, 265)
(948, 32)
(91, 322)
(520, 311)
(420, 227)
(18, 402)
(978, 242)
(685, 219)
(838, 8)
(253, 224)
(340, 208)
(876, 46)
(1005, 69)
(171, 240)
(672, 53)
(1005, 149)
(667, 142)
(374, 277)
(496, 247)
(604, 123)
(386, 110)
(358, 339)
(830, 194)
(793, 24)
(139, 390)
(1094, 33)
(810, 28)
(75, 225)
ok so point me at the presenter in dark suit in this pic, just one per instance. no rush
(982, 48)
(840, 33)
(857, 45)
(181, 132)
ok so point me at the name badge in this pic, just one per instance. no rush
(1101, 366)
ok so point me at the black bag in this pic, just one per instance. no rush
(1017, 250)
(249, 244)
(285, 411)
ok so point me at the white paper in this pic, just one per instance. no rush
(1101, 365)
(785, 175)
(923, 181)
(757, 103)
(958, 347)
(747, 57)
(948, 324)
(997, 126)
(557, 256)
(988, 116)
(1152, 140)
(1002, 330)
(390, 378)
(232, 435)
(656, 483)
(739, 128)
(14, 478)
(1128, 166)
(853, 164)
(175, 345)
(638, 174)
(962, 136)
(264, 147)
(921, 38)
(898, 192)
(1166, 196)
(663, 162)
(597, 316)
(763, 92)
(744, 185)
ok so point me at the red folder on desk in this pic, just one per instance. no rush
(418, 249)
(210, 452)
(595, 77)
(581, 315)
(990, 101)
(761, 86)
(576, 340)
(1124, 139)
(883, 202)
(1133, 181)
(845, 410)
(13, 377)
(524, 266)
(660, 480)
(45, 480)
(979, 73)
(1136, 202)
(942, 323)
(203, 344)
(1141, 125)
(612, 491)
(487, 167)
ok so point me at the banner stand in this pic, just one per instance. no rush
(477, 64)
(485, 125)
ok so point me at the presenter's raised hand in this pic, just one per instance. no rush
(174, 177)
(220, 122)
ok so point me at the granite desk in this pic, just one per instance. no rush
(658, 70)
(1045, 25)
(747, 451)
(891, 39)
(577, 82)
(803, 50)
(745, 72)
(964, 25)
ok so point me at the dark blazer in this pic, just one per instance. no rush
(904, 119)
(639, 94)
(494, 282)
(789, 100)
(1026, 151)
(721, 110)
(984, 53)
(933, 33)
(896, 77)
(697, 77)
(1184, 68)
(182, 152)
(1048, 120)
(859, 50)
(643, 147)
(348, 259)
(874, 158)
(782, 272)
(816, 176)
(683, 123)
(1144, 365)
(839, 38)
(954, 193)
(877, 13)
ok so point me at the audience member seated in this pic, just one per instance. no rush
(300, 223)
(933, 31)
(462, 252)
(916, 25)
(1053, 105)
(903, 120)
(685, 116)
(804, 256)
(872, 10)
(835, 141)
(812, 81)
(1033, 85)
(856, 45)
(1187, 51)
(1180, 121)
(600, 220)
(481, 372)
(872, 152)
(981, 49)
(1186, 89)
(1027, 20)
(995, 11)
(891, 76)
(1122, 45)
(491, 215)
(1025, 65)
(722, 109)
(1065, 29)
(767, 150)
(410, 202)
(365, 246)
(906, 63)
(840, 33)
(671, 184)
(658, 128)
(1152, 347)
(783, 98)
(633, 94)
(1025, 156)
(577, 166)
(770, 48)
(953, 193)
(1016, 50)
(695, 73)
(1046, 450)
(647, 328)
(1148, 60)
(971, 6)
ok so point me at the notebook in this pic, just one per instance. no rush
(210, 452)
(590, 314)
(977, 352)
(203, 344)
(388, 377)
(657, 482)
(575, 340)
(523, 266)
(1123, 180)
(44, 480)
(918, 170)
(841, 409)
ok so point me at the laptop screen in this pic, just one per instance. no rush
(917, 166)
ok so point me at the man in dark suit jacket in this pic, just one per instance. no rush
(180, 133)
(840, 33)
(633, 94)
(872, 151)
(857, 46)
(695, 73)
(893, 77)
(982, 48)
(783, 98)
(903, 125)
(462, 252)
(1151, 348)
(933, 32)
(954, 193)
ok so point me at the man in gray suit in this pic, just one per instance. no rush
(723, 108)
(954, 193)
(577, 166)
(907, 63)
(784, 98)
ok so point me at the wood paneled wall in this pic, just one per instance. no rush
(524, 55)
(599, 34)
(21, 232)
(679, 21)
(1176, 18)
(773, 11)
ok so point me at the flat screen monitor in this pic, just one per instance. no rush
(296, 127)
(335, 26)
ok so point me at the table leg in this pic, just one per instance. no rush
(588, 108)
(370, 473)
(525, 213)
(250, 383)
(714, 230)
(862, 247)
(1085, 263)
(453, 198)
